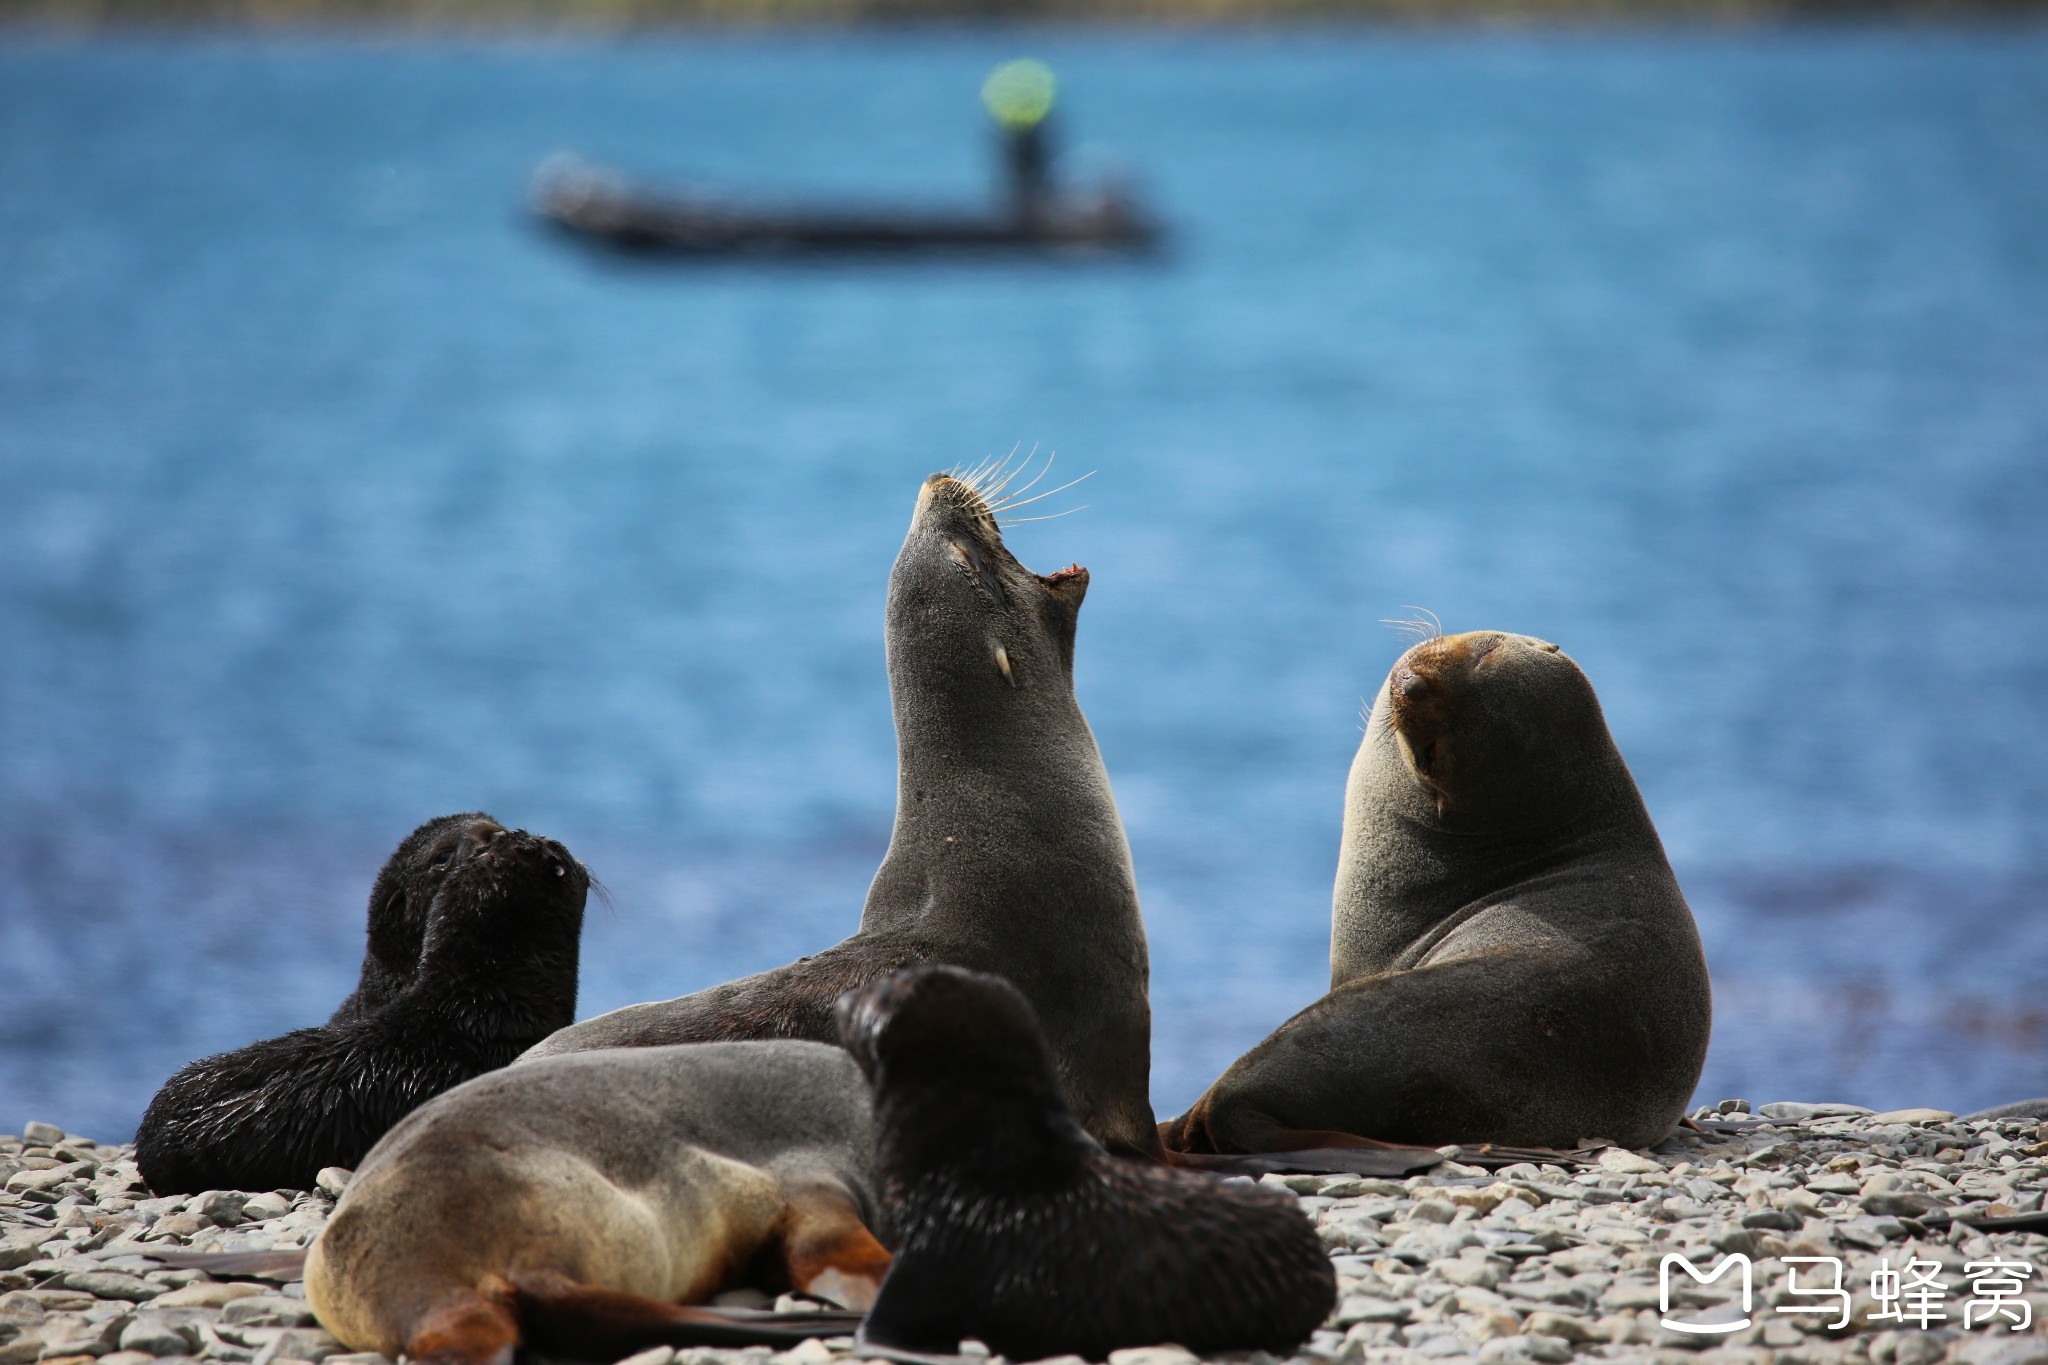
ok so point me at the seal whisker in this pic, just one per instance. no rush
(971, 479)
(1043, 471)
(1004, 474)
(1049, 516)
(1430, 629)
(966, 477)
(1025, 502)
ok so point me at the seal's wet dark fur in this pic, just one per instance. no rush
(492, 919)
(399, 902)
(1010, 1224)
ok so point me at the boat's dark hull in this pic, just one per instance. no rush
(645, 223)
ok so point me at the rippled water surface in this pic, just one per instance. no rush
(333, 495)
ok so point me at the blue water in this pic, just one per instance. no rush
(333, 496)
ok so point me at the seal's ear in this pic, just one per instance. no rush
(1068, 586)
(1062, 611)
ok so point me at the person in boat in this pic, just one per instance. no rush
(1019, 97)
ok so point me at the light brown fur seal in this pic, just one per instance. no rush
(1511, 959)
(1008, 855)
(575, 1203)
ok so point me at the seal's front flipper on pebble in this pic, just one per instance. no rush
(1258, 1134)
(556, 1315)
(1380, 1159)
(563, 1316)
(826, 1249)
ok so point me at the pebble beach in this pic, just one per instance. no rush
(1843, 1217)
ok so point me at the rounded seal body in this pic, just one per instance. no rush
(1511, 958)
(658, 1173)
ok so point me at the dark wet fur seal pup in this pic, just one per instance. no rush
(1511, 958)
(1008, 855)
(1010, 1224)
(496, 973)
(578, 1204)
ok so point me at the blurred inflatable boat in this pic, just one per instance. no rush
(605, 209)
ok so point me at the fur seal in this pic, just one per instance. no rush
(497, 914)
(575, 1203)
(1511, 959)
(1008, 855)
(1012, 1225)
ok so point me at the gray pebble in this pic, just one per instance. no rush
(159, 1336)
(268, 1310)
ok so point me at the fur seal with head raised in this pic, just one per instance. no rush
(496, 915)
(577, 1204)
(1008, 855)
(1010, 1224)
(1511, 959)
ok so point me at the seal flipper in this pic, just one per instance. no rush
(916, 1318)
(470, 1327)
(566, 1317)
(1237, 1139)
(1312, 1161)
(828, 1251)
